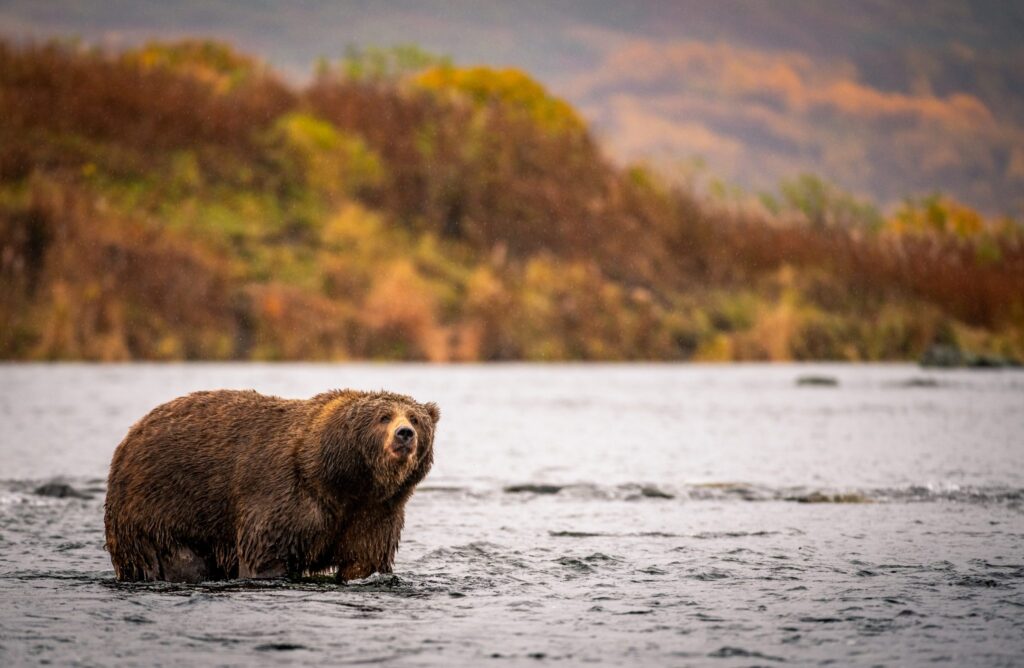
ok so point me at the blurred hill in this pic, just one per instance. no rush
(182, 201)
(886, 98)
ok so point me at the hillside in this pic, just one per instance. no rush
(182, 201)
(887, 98)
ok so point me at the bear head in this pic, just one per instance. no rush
(377, 443)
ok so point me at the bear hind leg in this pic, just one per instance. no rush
(275, 568)
(183, 564)
(134, 560)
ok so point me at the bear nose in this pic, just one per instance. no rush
(404, 434)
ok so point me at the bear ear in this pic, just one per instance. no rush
(433, 411)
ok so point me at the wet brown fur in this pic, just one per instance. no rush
(230, 484)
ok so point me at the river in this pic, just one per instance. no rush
(616, 514)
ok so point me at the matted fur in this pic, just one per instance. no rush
(229, 484)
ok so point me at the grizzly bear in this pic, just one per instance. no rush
(234, 484)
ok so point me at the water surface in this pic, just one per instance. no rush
(632, 514)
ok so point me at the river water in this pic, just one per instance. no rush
(618, 514)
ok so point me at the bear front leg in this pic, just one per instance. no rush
(369, 542)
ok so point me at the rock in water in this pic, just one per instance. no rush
(60, 490)
(820, 381)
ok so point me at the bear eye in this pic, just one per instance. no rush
(385, 418)
(415, 420)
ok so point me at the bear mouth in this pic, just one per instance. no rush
(402, 452)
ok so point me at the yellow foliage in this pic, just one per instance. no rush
(718, 349)
(510, 87)
(937, 214)
(330, 161)
(355, 229)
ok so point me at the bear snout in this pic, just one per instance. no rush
(404, 440)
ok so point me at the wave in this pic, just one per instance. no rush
(64, 490)
(749, 492)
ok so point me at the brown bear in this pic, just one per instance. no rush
(228, 484)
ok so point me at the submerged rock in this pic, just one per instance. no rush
(821, 381)
(652, 492)
(533, 488)
(919, 382)
(60, 490)
(279, 647)
(820, 497)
